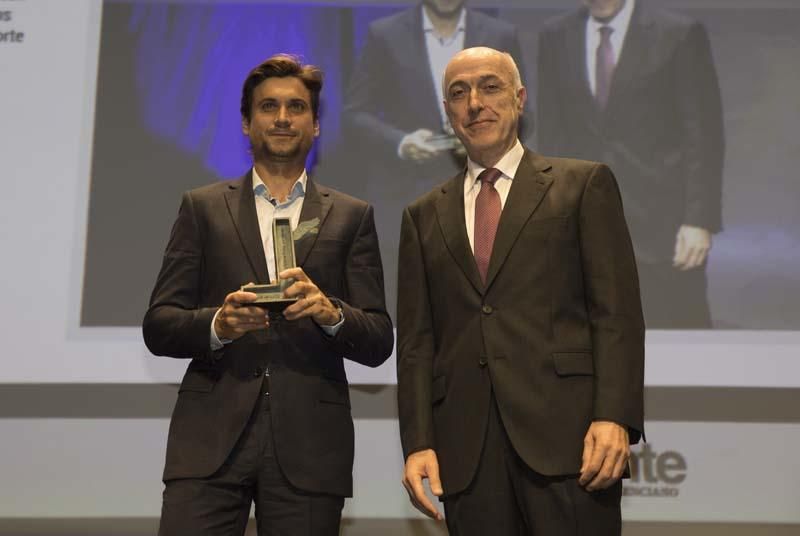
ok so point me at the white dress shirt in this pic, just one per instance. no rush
(267, 209)
(619, 24)
(508, 166)
(440, 51)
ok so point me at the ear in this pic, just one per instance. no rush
(316, 128)
(522, 97)
(245, 126)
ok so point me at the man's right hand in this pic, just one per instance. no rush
(236, 317)
(419, 466)
(415, 146)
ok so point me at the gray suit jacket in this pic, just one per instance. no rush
(661, 131)
(392, 93)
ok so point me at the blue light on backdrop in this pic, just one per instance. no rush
(192, 59)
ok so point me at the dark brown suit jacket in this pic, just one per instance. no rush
(557, 332)
(214, 248)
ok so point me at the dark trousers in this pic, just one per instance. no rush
(220, 504)
(673, 299)
(507, 498)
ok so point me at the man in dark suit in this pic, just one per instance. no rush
(520, 333)
(634, 86)
(393, 103)
(263, 412)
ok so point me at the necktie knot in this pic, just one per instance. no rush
(605, 32)
(489, 176)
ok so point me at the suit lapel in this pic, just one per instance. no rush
(576, 57)
(316, 205)
(474, 34)
(635, 50)
(417, 48)
(450, 213)
(242, 207)
(527, 191)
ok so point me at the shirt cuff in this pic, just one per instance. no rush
(331, 331)
(216, 342)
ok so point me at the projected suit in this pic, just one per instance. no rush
(391, 94)
(661, 132)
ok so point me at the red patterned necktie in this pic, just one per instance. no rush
(604, 68)
(487, 216)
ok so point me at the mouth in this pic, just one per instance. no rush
(479, 124)
(281, 134)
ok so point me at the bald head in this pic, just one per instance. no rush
(504, 60)
(484, 99)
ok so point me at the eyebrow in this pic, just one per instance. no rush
(481, 79)
(292, 100)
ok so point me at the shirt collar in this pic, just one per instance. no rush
(508, 165)
(619, 23)
(298, 190)
(427, 24)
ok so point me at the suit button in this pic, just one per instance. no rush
(487, 309)
(482, 362)
(257, 372)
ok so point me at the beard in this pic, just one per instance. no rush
(605, 11)
(291, 149)
(444, 13)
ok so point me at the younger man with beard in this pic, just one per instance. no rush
(263, 412)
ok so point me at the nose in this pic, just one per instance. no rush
(282, 117)
(475, 103)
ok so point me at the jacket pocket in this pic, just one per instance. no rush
(573, 363)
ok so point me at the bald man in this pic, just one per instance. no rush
(520, 331)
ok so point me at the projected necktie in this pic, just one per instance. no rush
(604, 67)
(487, 216)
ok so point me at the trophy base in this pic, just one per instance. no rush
(270, 297)
(274, 306)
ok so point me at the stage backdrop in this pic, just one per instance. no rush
(108, 111)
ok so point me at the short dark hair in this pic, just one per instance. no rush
(279, 66)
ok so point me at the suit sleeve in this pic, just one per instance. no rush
(700, 108)
(614, 304)
(366, 335)
(175, 324)
(415, 343)
(363, 101)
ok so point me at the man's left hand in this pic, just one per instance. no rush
(691, 247)
(311, 303)
(605, 454)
